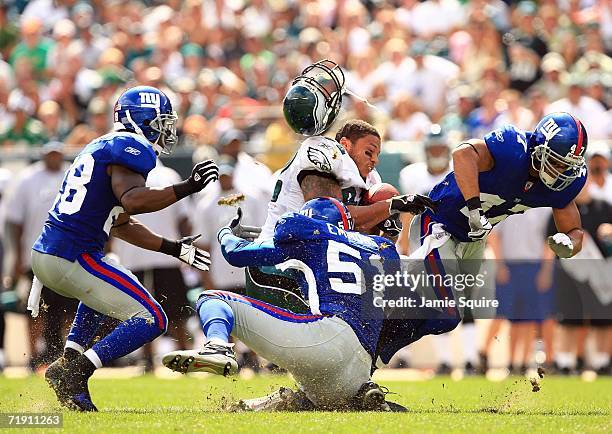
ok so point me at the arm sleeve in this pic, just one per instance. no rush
(129, 152)
(242, 253)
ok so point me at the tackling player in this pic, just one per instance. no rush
(101, 190)
(329, 351)
(343, 168)
(507, 173)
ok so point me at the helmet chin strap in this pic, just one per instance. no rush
(157, 148)
(360, 98)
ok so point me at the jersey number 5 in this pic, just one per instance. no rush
(336, 265)
(74, 189)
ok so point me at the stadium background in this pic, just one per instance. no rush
(469, 66)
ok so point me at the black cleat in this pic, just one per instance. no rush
(71, 390)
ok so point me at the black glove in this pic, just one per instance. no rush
(202, 174)
(391, 226)
(412, 203)
(249, 233)
(185, 251)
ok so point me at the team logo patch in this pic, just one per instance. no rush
(132, 151)
(319, 159)
(149, 99)
(499, 135)
(550, 129)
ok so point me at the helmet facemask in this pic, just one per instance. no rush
(165, 124)
(557, 172)
(325, 79)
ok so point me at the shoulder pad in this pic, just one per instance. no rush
(132, 151)
(320, 153)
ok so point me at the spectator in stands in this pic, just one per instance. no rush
(21, 129)
(26, 211)
(5, 177)
(408, 122)
(161, 274)
(551, 84)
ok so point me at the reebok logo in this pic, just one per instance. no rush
(132, 151)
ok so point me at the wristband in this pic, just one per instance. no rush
(473, 203)
(172, 248)
(222, 232)
(183, 189)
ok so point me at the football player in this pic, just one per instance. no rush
(101, 190)
(343, 168)
(329, 350)
(506, 173)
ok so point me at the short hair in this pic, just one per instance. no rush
(355, 129)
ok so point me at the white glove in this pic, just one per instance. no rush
(185, 251)
(561, 244)
(248, 233)
(479, 225)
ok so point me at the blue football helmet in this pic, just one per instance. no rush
(147, 111)
(330, 210)
(313, 101)
(558, 145)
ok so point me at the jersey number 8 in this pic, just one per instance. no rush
(72, 194)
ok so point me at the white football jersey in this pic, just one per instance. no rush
(321, 154)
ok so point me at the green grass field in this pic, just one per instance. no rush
(148, 404)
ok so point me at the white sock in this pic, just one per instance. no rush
(598, 360)
(565, 359)
(1, 358)
(470, 347)
(74, 346)
(93, 358)
(443, 348)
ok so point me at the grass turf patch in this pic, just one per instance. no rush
(148, 404)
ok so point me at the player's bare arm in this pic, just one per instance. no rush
(469, 159)
(136, 198)
(568, 241)
(132, 231)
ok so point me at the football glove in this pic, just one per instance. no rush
(391, 226)
(202, 174)
(185, 251)
(479, 225)
(412, 203)
(561, 244)
(248, 233)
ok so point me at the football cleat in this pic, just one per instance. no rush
(213, 358)
(283, 399)
(72, 391)
(371, 397)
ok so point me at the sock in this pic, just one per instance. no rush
(217, 319)
(84, 328)
(600, 360)
(443, 349)
(470, 349)
(1, 358)
(565, 359)
(125, 338)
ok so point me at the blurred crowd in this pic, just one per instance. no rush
(469, 66)
(226, 64)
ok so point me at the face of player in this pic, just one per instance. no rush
(364, 152)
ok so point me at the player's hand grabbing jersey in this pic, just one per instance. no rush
(506, 189)
(86, 207)
(316, 154)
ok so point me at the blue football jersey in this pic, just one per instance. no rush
(86, 207)
(506, 189)
(339, 260)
